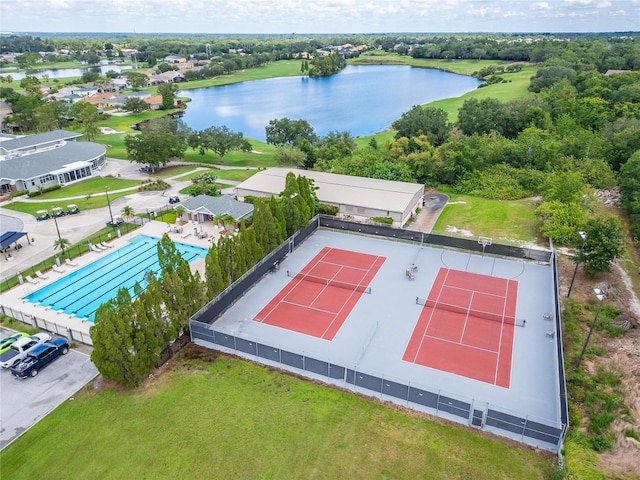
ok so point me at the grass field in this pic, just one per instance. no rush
(232, 419)
(509, 221)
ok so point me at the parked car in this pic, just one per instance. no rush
(39, 357)
(5, 343)
(21, 348)
(174, 199)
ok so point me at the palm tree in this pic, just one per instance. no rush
(179, 211)
(61, 244)
(128, 213)
(224, 220)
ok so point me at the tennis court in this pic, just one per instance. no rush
(448, 340)
(318, 299)
(467, 326)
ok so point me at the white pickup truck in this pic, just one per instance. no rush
(20, 348)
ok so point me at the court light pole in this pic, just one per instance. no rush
(106, 192)
(600, 296)
(583, 236)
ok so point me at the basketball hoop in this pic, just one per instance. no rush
(484, 241)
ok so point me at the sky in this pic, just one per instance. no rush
(318, 16)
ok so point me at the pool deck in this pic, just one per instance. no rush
(76, 328)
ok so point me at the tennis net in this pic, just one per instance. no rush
(332, 283)
(493, 316)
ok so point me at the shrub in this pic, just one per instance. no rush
(383, 220)
(19, 193)
(328, 209)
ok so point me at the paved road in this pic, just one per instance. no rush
(24, 402)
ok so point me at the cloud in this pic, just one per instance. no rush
(317, 16)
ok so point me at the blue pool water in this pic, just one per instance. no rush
(81, 292)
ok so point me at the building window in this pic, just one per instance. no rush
(46, 178)
(362, 210)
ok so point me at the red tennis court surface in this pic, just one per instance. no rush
(466, 327)
(320, 297)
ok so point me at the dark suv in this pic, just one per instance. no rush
(39, 357)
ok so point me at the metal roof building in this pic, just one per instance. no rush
(354, 196)
(32, 162)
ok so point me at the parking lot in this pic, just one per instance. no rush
(24, 402)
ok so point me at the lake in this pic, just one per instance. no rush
(361, 99)
(63, 72)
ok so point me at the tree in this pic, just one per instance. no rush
(561, 221)
(49, 116)
(335, 145)
(128, 213)
(219, 140)
(158, 142)
(293, 132)
(137, 80)
(288, 155)
(87, 115)
(124, 349)
(167, 91)
(429, 121)
(214, 279)
(61, 244)
(477, 117)
(629, 182)
(604, 244)
(135, 105)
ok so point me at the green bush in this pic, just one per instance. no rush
(383, 220)
(329, 210)
(44, 190)
(501, 182)
(19, 193)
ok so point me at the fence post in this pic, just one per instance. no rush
(69, 335)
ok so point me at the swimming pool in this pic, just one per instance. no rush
(81, 292)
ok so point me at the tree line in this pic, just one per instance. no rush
(131, 330)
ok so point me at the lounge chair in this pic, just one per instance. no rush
(96, 249)
(30, 279)
(186, 234)
(58, 269)
(41, 275)
(70, 263)
(105, 245)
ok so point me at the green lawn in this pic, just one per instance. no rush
(506, 221)
(174, 171)
(91, 190)
(239, 175)
(233, 419)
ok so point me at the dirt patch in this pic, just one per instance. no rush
(459, 231)
(623, 352)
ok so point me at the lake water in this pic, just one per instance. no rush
(63, 72)
(363, 100)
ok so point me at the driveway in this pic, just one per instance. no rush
(432, 205)
(25, 402)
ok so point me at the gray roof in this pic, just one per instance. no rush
(30, 141)
(338, 189)
(42, 163)
(218, 206)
